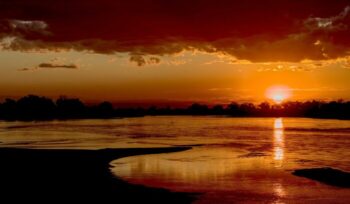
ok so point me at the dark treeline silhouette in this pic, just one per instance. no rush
(33, 107)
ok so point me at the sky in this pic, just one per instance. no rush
(160, 51)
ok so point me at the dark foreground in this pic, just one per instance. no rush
(47, 176)
(329, 176)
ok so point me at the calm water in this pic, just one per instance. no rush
(247, 160)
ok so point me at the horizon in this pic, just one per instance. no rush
(173, 104)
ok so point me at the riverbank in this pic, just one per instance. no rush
(46, 176)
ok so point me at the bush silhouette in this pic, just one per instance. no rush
(33, 107)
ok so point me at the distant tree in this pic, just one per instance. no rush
(8, 109)
(104, 110)
(218, 110)
(233, 109)
(35, 107)
(198, 109)
(105, 106)
(313, 109)
(70, 107)
(247, 109)
(152, 110)
(9, 104)
(265, 106)
(264, 109)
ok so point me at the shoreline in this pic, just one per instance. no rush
(55, 175)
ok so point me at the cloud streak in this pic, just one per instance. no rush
(54, 64)
(50, 66)
(253, 30)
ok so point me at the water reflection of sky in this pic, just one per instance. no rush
(230, 173)
(239, 158)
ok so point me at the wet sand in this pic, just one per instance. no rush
(46, 176)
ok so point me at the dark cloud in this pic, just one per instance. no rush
(50, 65)
(25, 69)
(256, 30)
(138, 59)
(141, 60)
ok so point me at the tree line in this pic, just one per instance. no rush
(34, 107)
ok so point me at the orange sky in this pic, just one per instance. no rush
(185, 77)
(202, 51)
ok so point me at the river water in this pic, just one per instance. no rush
(233, 160)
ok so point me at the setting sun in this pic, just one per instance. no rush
(278, 93)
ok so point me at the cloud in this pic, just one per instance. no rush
(333, 23)
(253, 30)
(50, 65)
(56, 63)
(23, 28)
(25, 69)
(138, 59)
(141, 60)
(153, 60)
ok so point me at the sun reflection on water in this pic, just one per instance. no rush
(278, 141)
(278, 152)
(279, 190)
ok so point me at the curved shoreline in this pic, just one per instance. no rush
(51, 175)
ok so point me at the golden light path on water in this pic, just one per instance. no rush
(278, 141)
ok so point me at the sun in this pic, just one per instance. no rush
(278, 93)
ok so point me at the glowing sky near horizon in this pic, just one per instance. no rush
(198, 77)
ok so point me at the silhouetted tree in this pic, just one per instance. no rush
(105, 106)
(247, 109)
(8, 109)
(264, 109)
(104, 110)
(70, 108)
(35, 107)
(218, 110)
(198, 109)
(233, 109)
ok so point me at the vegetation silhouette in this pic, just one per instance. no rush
(34, 107)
